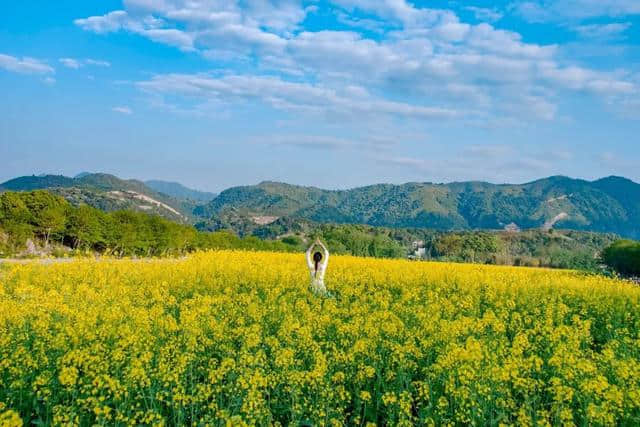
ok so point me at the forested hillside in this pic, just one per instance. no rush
(606, 205)
(546, 248)
(107, 192)
(609, 205)
(41, 223)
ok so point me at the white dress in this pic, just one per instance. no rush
(317, 276)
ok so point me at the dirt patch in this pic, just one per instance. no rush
(548, 225)
(264, 220)
(124, 195)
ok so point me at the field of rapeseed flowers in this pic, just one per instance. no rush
(236, 337)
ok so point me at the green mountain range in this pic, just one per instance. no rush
(107, 192)
(606, 205)
(179, 191)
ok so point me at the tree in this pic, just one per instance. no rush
(623, 256)
(84, 227)
(47, 212)
(51, 220)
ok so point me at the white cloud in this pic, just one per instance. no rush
(97, 62)
(71, 63)
(171, 37)
(113, 21)
(212, 24)
(355, 22)
(506, 43)
(603, 31)
(427, 55)
(484, 14)
(79, 63)
(532, 12)
(147, 26)
(25, 65)
(578, 78)
(123, 110)
(397, 10)
(49, 80)
(287, 96)
(562, 10)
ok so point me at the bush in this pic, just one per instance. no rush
(623, 256)
(292, 241)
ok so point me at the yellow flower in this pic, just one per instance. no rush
(10, 419)
(236, 338)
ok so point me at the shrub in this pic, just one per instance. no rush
(623, 256)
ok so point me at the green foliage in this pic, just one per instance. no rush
(292, 240)
(40, 215)
(551, 248)
(607, 205)
(623, 256)
(28, 183)
(106, 192)
(467, 246)
(360, 241)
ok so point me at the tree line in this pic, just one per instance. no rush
(55, 224)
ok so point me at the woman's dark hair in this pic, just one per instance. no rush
(317, 257)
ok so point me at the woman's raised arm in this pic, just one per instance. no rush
(308, 256)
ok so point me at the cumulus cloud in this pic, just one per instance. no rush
(426, 55)
(147, 26)
(112, 21)
(287, 96)
(558, 10)
(578, 78)
(25, 65)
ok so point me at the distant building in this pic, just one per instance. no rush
(512, 228)
(419, 250)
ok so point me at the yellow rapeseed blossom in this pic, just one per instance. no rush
(235, 338)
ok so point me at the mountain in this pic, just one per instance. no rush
(27, 183)
(179, 191)
(606, 205)
(106, 192)
(609, 204)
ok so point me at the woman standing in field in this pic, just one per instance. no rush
(317, 267)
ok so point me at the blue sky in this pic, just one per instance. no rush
(331, 93)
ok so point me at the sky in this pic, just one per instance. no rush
(329, 93)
